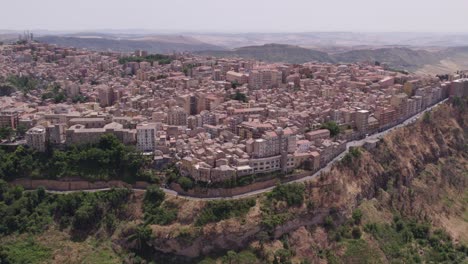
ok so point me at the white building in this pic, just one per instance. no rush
(146, 136)
(36, 138)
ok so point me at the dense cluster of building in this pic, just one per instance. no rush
(184, 111)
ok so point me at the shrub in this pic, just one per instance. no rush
(332, 127)
(328, 223)
(427, 117)
(292, 194)
(357, 216)
(185, 182)
(219, 210)
(25, 251)
(155, 212)
(154, 195)
(161, 215)
(356, 232)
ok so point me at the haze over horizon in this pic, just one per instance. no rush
(241, 16)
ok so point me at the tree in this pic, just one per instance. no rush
(142, 236)
(185, 182)
(292, 194)
(79, 99)
(21, 130)
(59, 98)
(356, 232)
(357, 216)
(283, 255)
(240, 97)
(262, 237)
(85, 217)
(234, 84)
(230, 258)
(427, 117)
(154, 195)
(328, 223)
(23, 83)
(332, 127)
(6, 132)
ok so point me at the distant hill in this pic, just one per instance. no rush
(396, 57)
(153, 44)
(404, 58)
(273, 53)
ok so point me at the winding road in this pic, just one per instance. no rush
(355, 143)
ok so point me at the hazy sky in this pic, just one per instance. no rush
(237, 15)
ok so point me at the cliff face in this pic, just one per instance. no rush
(419, 172)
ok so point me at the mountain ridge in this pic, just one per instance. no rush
(101, 42)
(399, 57)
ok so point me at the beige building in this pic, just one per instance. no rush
(362, 118)
(176, 116)
(88, 122)
(79, 134)
(240, 78)
(36, 138)
(264, 78)
(9, 118)
(106, 96)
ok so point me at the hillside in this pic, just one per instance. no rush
(401, 202)
(403, 58)
(153, 44)
(453, 59)
(437, 61)
(273, 53)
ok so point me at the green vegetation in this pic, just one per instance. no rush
(460, 103)
(79, 99)
(108, 159)
(6, 132)
(243, 257)
(292, 194)
(160, 58)
(5, 88)
(187, 69)
(404, 239)
(398, 70)
(155, 212)
(32, 212)
(427, 117)
(23, 83)
(351, 157)
(240, 97)
(274, 215)
(234, 84)
(141, 236)
(55, 92)
(357, 216)
(185, 182)
(332, 127)
(26, 251)
(216, 211)
(358, 251)
(9, 133)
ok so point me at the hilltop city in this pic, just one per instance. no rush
(216, 119)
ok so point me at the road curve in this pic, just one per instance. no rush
(355, 143)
